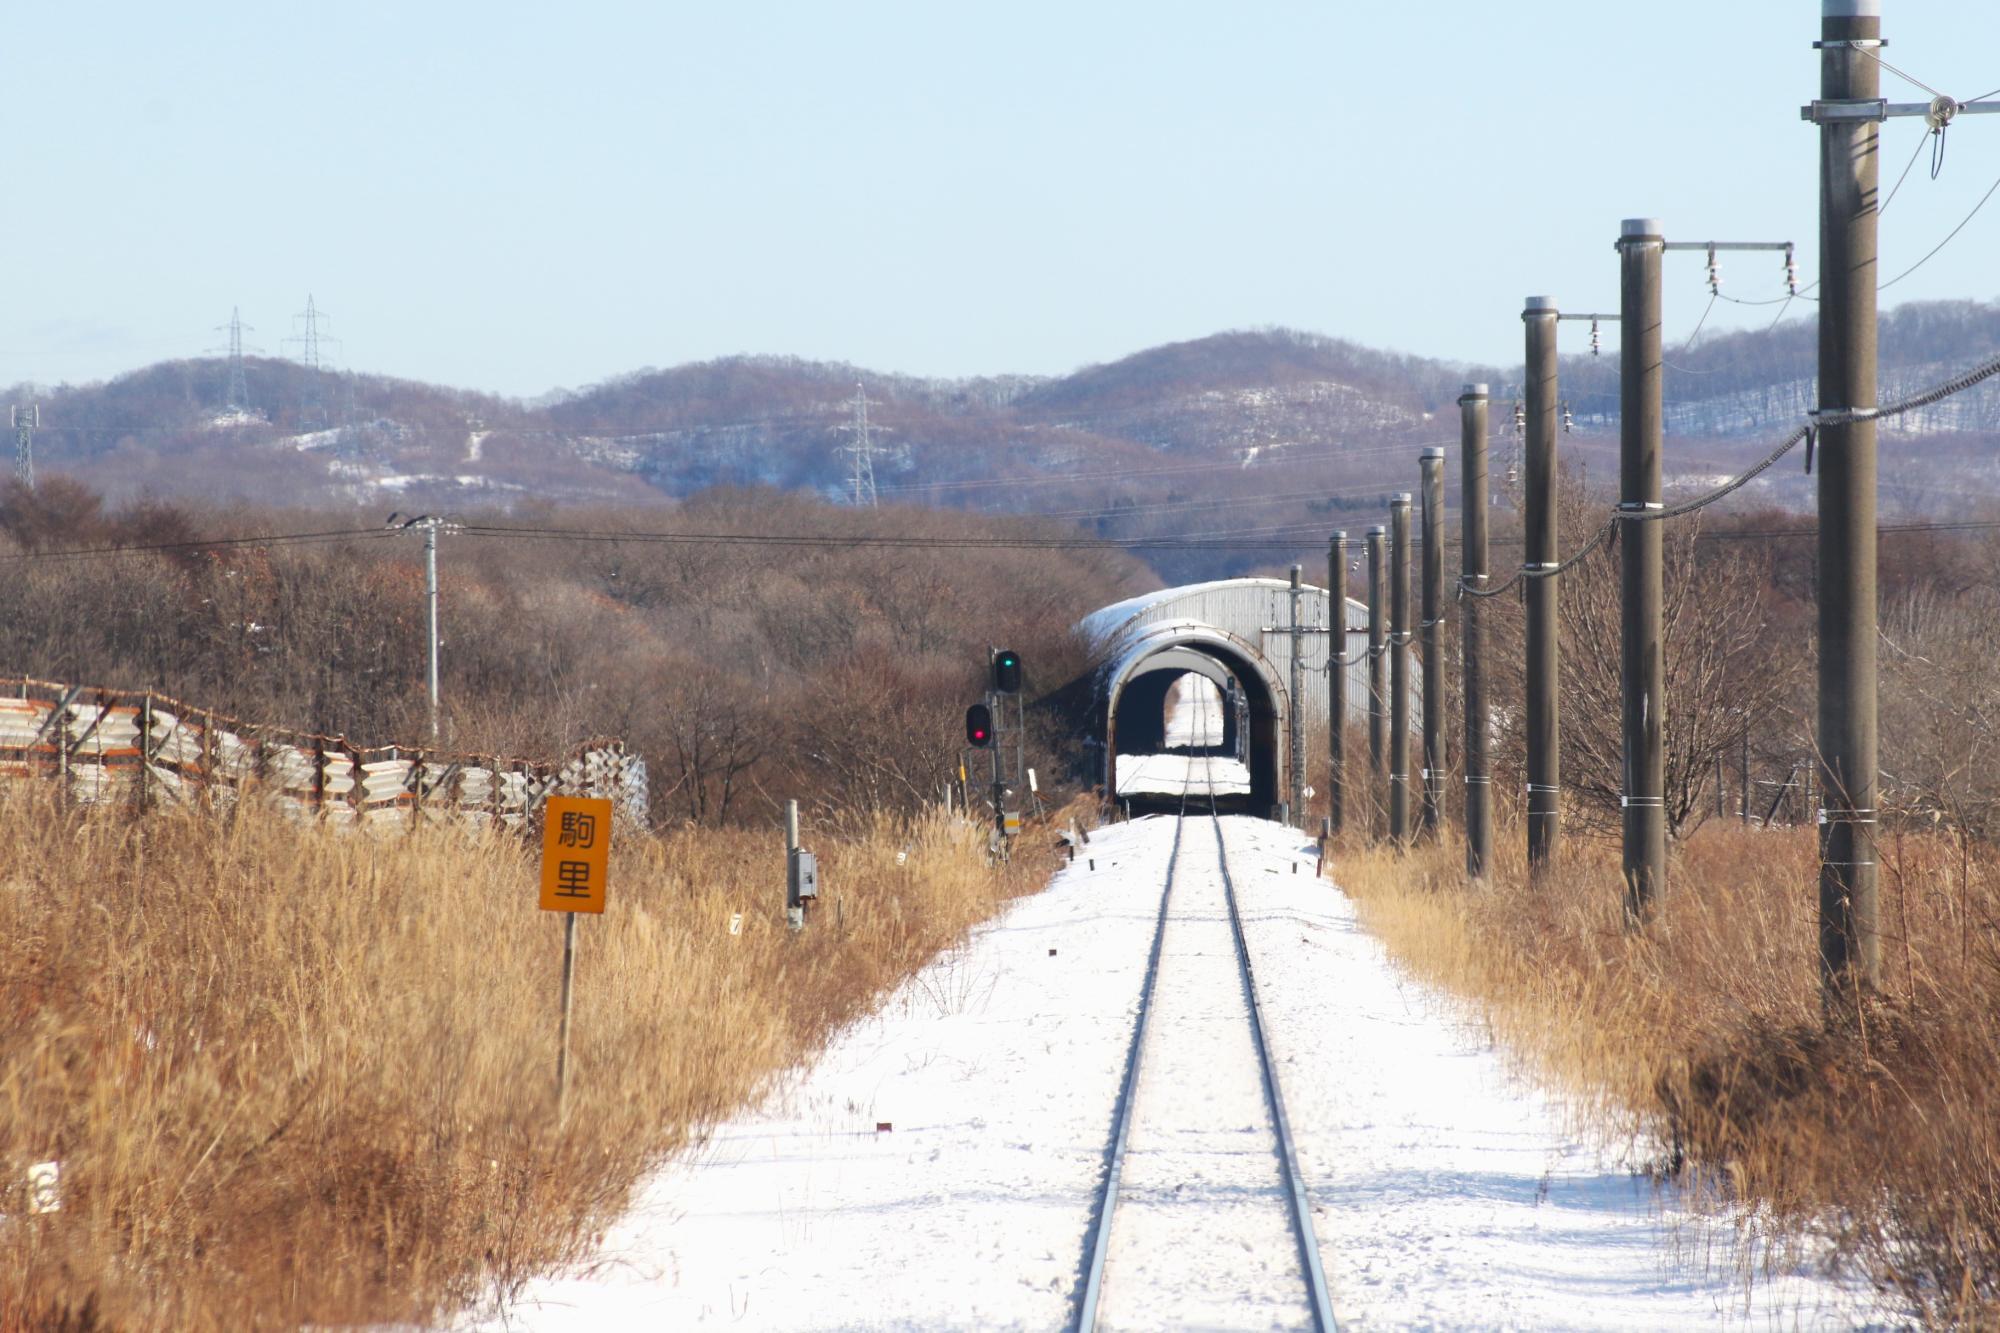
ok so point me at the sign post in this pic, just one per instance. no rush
(576, 858)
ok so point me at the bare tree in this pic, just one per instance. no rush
(1724, 666)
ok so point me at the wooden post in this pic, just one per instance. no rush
(145, 749)
(562, 1032)
(208, 761)
(319, 778)
(795, 912)
(61, 724)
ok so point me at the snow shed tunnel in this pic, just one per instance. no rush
(1237, 634)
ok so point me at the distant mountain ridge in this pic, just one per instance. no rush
(1212, 434)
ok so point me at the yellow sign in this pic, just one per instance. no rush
(576, 853)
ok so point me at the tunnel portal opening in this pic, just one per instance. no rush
(1205, 701)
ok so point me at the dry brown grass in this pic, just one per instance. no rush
(300, 1077)
(1706, 1032)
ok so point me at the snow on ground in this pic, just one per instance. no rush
(1194, 712)
(997, 1068)
(316, 439)
(1167, 775)
(937, 1167)
(1194, 719)
(1446, 1191)
(1203, 1233)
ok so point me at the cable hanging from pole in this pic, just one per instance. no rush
(1820, 418)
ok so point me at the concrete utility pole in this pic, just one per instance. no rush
(1378, 692)
(1544, 716)
(430, 523)
(1399, 670)
(431, 597)
(1431, 468)
(1472, 503)
(1297, 703)
(1850, 948)
(1336, 682)
(1640, 249)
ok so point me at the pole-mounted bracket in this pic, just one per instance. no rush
(1938, 111)
(1713, 246)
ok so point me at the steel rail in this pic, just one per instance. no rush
(1302, 1227)
(1317, 1290)
(1107, 1207)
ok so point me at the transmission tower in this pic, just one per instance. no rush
(309, 339)
(25, 420)
(236, 398)
(863, 449)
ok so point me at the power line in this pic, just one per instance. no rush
(1906, 172)
(1285, 535)
(1281, 457)
(1804, 434)
(205, 544)
(1282, 536)
(1946, 241)
(1112, 511)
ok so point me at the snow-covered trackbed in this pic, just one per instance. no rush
(1204, 1217)
(941, 1164)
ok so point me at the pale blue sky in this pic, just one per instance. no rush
(514, 197)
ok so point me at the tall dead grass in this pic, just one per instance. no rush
(1878, 1129)
(293, 1076)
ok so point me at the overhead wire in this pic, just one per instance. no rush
(1308, 534)
(203, 544)
(1841, 416)
(1946, 241)
(1686, 347)
(1269, 456)
(1906, 174)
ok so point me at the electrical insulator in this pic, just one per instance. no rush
(1714, 274)
(1520, 417)
(1596, 343)
(1791, 272)
(1569, 420)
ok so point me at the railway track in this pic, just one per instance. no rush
(1204, 1218)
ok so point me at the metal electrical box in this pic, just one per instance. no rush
(804, 878)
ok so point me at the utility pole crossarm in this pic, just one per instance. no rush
(1712, 246)
(1877, 109)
